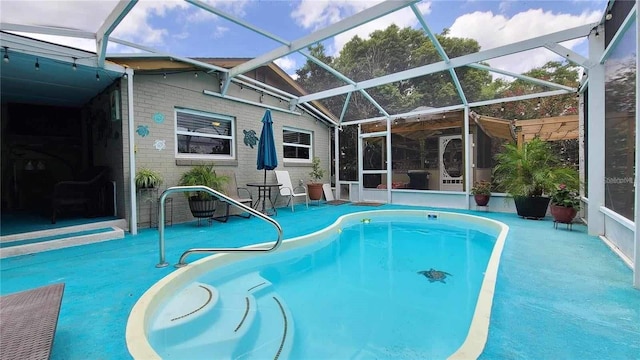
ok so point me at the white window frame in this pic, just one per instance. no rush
(310, 146)
(212, 116)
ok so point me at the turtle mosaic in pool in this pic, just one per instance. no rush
(435, 275)
(350, 294)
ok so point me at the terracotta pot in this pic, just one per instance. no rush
(315, 191)
(563, 214)
(482, 200)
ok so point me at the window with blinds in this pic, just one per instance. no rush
(296, 145)
(204, 135)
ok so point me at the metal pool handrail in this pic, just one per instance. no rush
(225, 198)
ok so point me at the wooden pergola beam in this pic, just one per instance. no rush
(549, 120)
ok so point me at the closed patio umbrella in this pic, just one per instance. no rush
(267, 156)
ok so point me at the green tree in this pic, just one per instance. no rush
(394, 49)
(385, 52)
(553, 71)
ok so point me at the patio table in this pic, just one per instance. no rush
(264, 196)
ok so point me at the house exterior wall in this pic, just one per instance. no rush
(154, 94)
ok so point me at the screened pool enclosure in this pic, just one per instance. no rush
(416, 109)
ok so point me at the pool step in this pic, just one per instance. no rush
(44, 240)
(271, 334)
(243, 319)
(188, 313)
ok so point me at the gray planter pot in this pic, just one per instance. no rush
(202, 208)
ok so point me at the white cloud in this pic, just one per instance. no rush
(181, 36)
(402, 18)
(219, 31)
(504, 6)
(79, 15)
(313, 14)
(286, 63)
(235, 7)
(136, 27)
(494, 30)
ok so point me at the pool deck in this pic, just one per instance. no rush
(560, 294)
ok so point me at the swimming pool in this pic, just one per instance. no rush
(408, 284)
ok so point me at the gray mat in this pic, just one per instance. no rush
(337, 202)
(367, 203)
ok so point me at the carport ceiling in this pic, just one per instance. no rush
(53, 82)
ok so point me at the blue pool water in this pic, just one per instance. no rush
(356, 294)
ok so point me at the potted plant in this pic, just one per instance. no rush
(314, 187)
(529, 173)
(565, 204)
(202, 204)
(481, 192)
(147, 179)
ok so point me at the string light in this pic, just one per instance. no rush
(125, 75)
(597, 33)
(195, 75)
(37, 65)
(608, 16)
(5, 58)
(74, 66)
(164, 75)
(97, 76)
(501, 107)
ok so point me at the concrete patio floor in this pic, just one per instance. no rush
(560, 294)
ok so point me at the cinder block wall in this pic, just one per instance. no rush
(154, 94)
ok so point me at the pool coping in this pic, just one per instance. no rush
(473, 345)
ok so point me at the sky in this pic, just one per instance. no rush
(177, 27)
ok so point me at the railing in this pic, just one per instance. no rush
(223, 197)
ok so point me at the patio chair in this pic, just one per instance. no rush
(232, 190)
(287, 189)
(86, 191)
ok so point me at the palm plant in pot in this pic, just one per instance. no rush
(317, 173)
(481, 192)
(202, 204)
(565, 203)
(529, 173)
